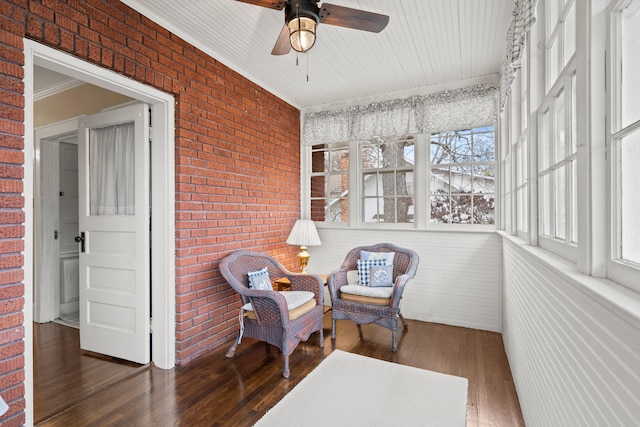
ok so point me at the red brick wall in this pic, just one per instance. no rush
(237, 165)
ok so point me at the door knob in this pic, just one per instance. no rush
(80, 239)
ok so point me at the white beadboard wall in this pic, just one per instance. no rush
(458, 279)
(574, 355)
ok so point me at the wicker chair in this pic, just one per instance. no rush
(405, 264)
(270, 321)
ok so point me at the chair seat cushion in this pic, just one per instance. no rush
(299, 303)
(366, 294)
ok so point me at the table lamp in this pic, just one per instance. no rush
(304, 234)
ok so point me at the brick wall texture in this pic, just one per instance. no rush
(237, 165)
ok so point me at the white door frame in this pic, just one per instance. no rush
(162, 190)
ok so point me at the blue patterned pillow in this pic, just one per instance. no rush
(364, 267)
(380, 276)
(259, 280)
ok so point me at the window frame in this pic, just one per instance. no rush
(361, 172)
(327, 174)
(548, 164)
(520, 147)
(590, 123)
(554, 163)
(471, 164)
(618, 269)
(421, 190)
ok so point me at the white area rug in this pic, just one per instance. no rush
(351, 390)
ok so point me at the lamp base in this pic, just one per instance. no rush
(303, 258)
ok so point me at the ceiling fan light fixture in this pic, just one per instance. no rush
(302, 33)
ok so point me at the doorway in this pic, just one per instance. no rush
(56, 271)
(162, 193)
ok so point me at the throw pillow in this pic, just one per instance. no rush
(381, 276)
(387, 256)
(363, 269)
(259, 280)
(352, 277)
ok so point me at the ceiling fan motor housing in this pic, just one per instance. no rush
(306, 8)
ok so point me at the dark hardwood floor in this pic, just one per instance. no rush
(74, 388)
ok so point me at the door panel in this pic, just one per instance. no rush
(69, 286)
(68, 196)
(114, 267)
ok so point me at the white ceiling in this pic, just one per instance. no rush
(47, 82)
(428, 45)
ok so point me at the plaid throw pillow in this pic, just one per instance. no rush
(364, 266)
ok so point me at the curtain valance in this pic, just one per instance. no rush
(448, 110)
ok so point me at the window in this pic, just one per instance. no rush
(387, 180)
(557, 139)
(557, 160)
(521, 145)
(506, 184)
(600, 230)
(462, 185)
(624, 141)
(560, 37)
(522, 194)
(330, 183)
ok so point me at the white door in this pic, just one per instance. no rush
(113, 168)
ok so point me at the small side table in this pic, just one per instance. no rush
(282, 284)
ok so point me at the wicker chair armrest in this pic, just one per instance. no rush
(398, 289)
(268, 306)
(308, 282)
(336, 280)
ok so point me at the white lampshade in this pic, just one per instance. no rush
(304, 233)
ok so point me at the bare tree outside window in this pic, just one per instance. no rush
(387, 180)
(463, 177)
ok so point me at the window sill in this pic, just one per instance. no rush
(613, 295)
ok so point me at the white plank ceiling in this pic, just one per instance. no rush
(427, 44)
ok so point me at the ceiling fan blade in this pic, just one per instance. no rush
(282, 46)
(271, 4)
(352, 18)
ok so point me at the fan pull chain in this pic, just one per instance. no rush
(306, 54)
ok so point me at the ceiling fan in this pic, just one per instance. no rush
(303, 16)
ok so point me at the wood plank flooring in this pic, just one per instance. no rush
(64, 376)
(73, 388)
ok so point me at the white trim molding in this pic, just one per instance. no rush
(163, 201)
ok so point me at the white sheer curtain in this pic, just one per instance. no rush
(112, 167)
(524, 16)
